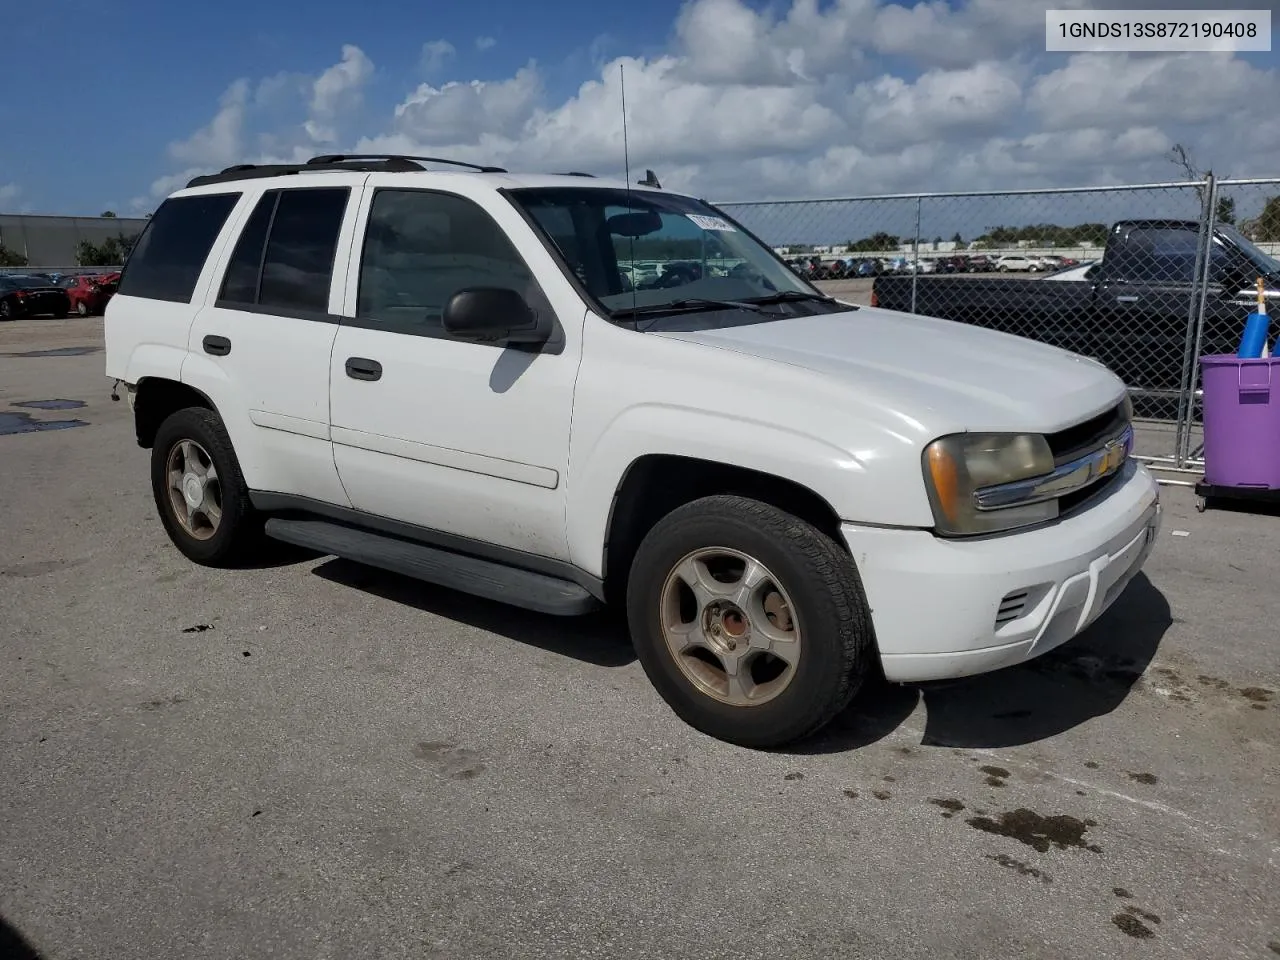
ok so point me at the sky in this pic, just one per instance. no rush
(726, 99)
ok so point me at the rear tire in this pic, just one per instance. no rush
(193, 465)
(705, 654)
(82, 308)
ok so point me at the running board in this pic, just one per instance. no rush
(481, 578)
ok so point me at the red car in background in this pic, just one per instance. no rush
(89, 294)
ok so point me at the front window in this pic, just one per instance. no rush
(639, 253)
(1266, 264)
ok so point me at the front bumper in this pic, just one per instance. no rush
(950, 608)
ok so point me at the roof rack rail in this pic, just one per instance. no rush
(359, 163)
(251, 171)
(343, 157)
(576, 173)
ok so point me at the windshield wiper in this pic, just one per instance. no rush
(790, 296)
(688, 305)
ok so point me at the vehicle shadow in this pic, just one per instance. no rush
(1087, 677)
(277, 553)
(598, 638)
(13, 945)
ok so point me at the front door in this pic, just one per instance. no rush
(463, 438)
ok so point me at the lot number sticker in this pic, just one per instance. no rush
(710, 223)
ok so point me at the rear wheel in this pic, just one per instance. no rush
(199, 491)
(82, 308)
(750, 623)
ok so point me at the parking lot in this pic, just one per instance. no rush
(313, 759)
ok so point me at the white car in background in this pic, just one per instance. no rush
(1019, 264)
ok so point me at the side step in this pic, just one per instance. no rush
(482, 578)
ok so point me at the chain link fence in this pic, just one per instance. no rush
(1145, 278)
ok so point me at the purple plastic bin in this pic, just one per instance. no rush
(1241, 421)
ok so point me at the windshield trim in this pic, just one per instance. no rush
(510, 194)
(1249, 248)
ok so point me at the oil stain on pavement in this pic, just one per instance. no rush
(57, 352)
(1038, 831)
(51, 404)
(11, 423)
(1130, 921)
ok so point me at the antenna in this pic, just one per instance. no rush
(626, 154)
(626, 163)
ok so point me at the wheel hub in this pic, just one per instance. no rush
(193, 491)
(726, 626)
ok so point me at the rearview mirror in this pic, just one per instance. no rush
(494, 313)
(634, 224)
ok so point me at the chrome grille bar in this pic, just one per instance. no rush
(1068, 478)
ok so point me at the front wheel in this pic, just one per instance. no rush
(199, 491)
(751, 624)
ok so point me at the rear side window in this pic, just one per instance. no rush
(240, 284)
(167, 259)
(283, 261)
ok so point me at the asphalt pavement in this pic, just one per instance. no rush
(317, 760)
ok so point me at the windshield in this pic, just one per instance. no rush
(1267, 264)
(639, 252)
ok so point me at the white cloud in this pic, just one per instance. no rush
(485, 43)
(435, 54)
(463, 112)
(810, 97)
(247, 128)
(219, 142)
(337, 91)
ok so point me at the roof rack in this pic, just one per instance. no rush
(359, 163)
(576, 173)
(343, 157)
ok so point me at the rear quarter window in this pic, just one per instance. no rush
(167, 259)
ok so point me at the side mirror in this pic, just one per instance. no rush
(494, 313)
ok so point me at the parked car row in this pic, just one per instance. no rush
(55, 295)
(843, 268)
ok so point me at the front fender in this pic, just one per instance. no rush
(853, 486)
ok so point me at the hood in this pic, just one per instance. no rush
(955, 376)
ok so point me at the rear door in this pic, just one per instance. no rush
(265, 338)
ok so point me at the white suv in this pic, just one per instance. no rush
(451, 375)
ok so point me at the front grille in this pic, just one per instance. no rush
(1086, 437)
(1068, 503)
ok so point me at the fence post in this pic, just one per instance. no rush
(1195, 323)
(915, 257)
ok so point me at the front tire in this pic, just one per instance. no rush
(751, 623)
(200, 492)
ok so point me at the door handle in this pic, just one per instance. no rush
(218, 346)
(360, 368)
(1126, 299)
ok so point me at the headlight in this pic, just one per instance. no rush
(957, 466)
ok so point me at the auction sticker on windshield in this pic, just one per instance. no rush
(710, 223)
